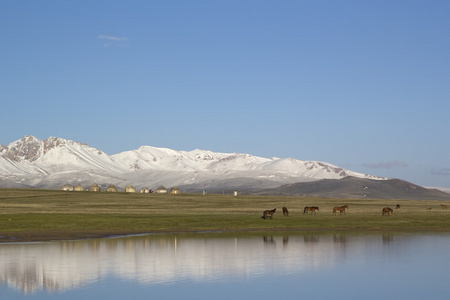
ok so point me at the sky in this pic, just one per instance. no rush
(364, 85)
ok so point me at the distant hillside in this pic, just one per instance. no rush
(352, 187)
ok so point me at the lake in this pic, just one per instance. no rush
(277, 265)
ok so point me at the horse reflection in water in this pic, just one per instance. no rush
(310, 209)
(268, 214)
(340, 238)
(310, 238)
(340, 209)
(387, 237)
(269, 240)
(387, 211)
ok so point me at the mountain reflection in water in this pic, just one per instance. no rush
(161, 259)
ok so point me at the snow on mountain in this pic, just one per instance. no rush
(311, 169)
(152, 158)
(8, 166)
(54, 161)
(238, 162)
(51, 155)
(70, 155)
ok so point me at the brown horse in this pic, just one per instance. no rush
(268, 213)
(340, 209)
(398, 206)
(285, 211)
(444, 206)
(311, 209)
(387, 211)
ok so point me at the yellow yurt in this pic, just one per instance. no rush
(94, 188)
(78, 188)
(145, 190)
(129, 189)
(67, 187)
(174, 190)
(111, 188)
(161, 190)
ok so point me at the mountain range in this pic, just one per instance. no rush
(53, 162)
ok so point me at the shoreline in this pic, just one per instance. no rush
(55, 236)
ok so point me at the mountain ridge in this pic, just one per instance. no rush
(53, 162)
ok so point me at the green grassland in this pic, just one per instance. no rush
(33, 214)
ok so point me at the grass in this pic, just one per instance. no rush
(32, 214)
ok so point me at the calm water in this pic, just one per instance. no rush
(214, 266)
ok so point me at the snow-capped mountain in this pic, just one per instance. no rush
(50, 163)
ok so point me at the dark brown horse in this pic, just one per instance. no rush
(398, 206)
(387, 211)
(285, 211)
(311, 209)
(340, 209)
(444, 206)
(268, 213)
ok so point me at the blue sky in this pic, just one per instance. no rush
(360, 84)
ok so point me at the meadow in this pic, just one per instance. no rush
(38, 215)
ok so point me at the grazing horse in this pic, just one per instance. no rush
(285, 211)
(387, 211)
(311, 209)
(398, 206)
(340, 209)
(268, 213)
(444, 206)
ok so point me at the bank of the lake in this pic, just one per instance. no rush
(42, 215)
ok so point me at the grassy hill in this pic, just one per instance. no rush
(352, 187)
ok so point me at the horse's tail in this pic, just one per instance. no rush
(304, 210)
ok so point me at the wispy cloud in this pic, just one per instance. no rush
(387, 165)
(111, 40)
(441, 172)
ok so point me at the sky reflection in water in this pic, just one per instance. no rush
(207, 266)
